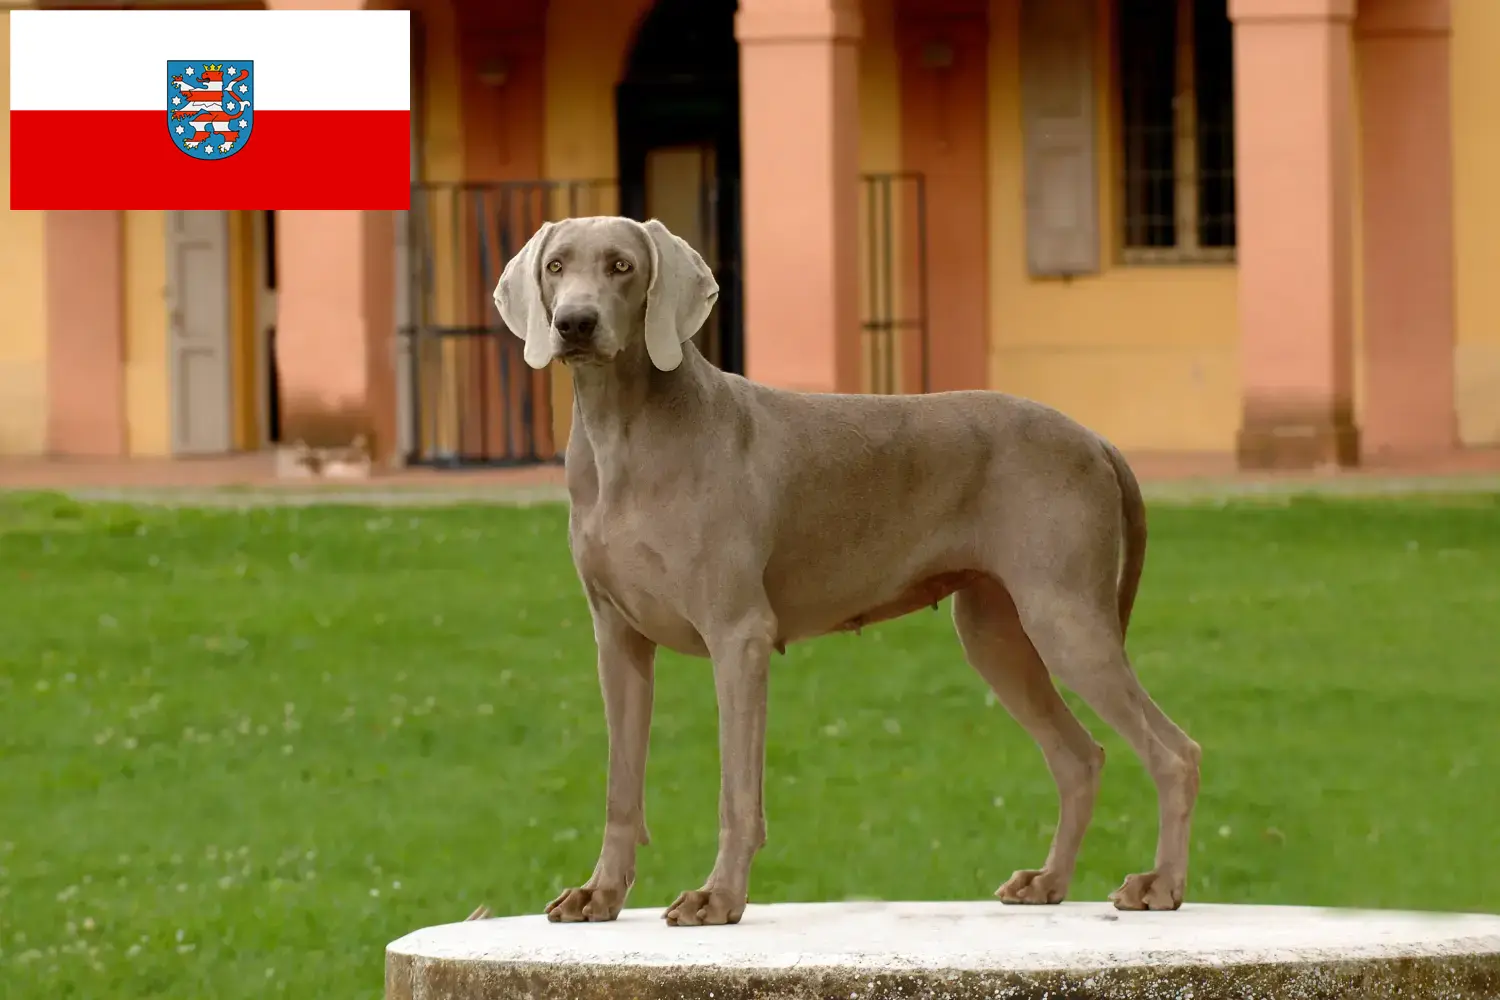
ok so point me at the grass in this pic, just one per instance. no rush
(241, 751)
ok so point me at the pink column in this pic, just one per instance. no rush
(1407, 134)
(799, 114)
(336, 318)
(85, 267)
(335, 328)
(1294, 136)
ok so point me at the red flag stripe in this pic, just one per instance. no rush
(270, 167)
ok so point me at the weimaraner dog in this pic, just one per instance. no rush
(722, 518)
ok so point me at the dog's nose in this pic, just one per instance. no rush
(576, 324)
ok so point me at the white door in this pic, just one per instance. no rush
(198, 332)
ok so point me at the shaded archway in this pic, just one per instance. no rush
(678, 119)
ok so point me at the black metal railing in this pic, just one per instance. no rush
(472, 398)
(893, 234)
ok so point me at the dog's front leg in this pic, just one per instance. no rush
(742, 660)
(627, 680)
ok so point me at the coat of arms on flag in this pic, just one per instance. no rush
(209, 113)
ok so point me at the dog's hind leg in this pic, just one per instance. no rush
(998, 648)
(1076, 629)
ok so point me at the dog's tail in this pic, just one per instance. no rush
(1134, 514)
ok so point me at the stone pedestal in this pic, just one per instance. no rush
(957, 951)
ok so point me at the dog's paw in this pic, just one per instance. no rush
(703, 907)
(587, 904)
(1148, 891)
(1033, 887)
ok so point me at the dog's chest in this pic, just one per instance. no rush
(622, 555)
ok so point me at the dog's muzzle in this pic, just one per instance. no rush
(576, 325)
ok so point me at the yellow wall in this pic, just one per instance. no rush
(879, 90)
(587, 44)
(1476, 154)
(23, 333)
(147, 379)
(437, 95)
(1146, 355)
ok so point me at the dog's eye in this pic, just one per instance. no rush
(622, 266)
(554, 266)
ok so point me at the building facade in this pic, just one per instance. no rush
(1250, 226)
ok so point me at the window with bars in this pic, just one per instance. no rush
(1176, 65)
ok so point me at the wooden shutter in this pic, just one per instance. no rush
(198, 331)
(1057, 116)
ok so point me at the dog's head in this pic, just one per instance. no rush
(585, 290)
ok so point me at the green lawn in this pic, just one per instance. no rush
(239, 752)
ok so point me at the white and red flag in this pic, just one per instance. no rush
(224, 109)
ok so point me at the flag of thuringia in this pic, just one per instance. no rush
(221, 109)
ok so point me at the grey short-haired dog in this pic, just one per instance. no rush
(721, 518)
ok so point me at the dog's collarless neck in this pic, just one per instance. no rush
(628, 400)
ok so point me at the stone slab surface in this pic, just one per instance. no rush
(955, 951)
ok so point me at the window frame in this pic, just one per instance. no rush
(1185, 163)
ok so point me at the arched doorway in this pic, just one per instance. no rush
(677, 109)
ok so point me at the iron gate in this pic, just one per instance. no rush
(473, 400)
(893, 279)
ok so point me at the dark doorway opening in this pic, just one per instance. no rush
(273, 383)
(677, 109)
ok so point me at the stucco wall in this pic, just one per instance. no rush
(1145, 355)
(23, 330)
(1476, 195)
(879, 90)
(436, 96)
(147, 381)
(587, 43)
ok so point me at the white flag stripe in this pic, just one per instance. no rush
(116, 60)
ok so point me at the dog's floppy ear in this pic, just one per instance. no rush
(681, 295)
(518, 296)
